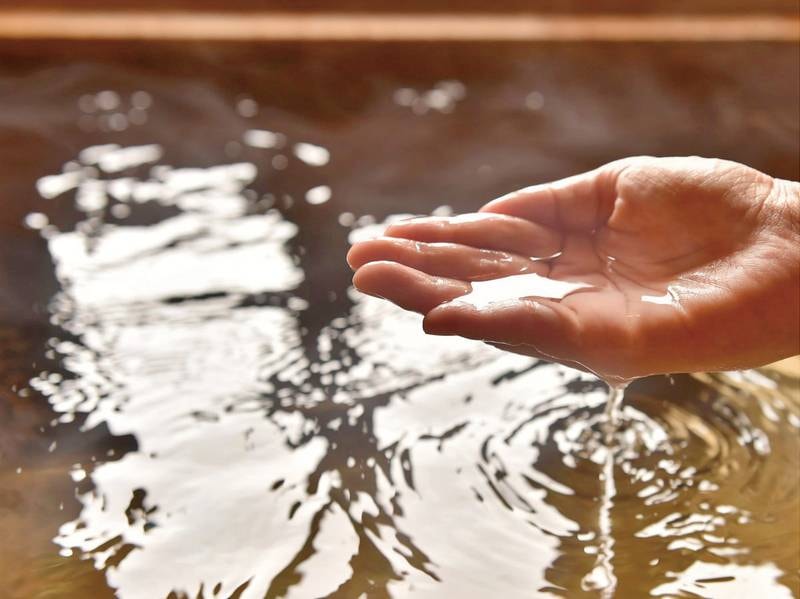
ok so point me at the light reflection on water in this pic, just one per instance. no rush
(382, 462)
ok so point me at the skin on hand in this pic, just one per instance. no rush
(693, 263)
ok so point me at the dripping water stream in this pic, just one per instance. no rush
(602, 578)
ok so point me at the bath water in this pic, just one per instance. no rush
(213, 412)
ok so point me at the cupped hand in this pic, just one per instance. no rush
(686, 264)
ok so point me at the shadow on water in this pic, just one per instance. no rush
(236, 421)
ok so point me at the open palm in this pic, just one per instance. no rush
(687, 264)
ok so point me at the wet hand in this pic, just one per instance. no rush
(684, 264)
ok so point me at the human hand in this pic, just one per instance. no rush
(690, 264)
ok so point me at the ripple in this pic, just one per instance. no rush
(358, 456)
(674, 471)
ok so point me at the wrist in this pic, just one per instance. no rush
(785, 197)
(788, 200)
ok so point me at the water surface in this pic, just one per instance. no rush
(223, 415)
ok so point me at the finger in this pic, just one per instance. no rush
(487, 231)
(578, 203)
(443, 259)
(546, 327)
(408, 288)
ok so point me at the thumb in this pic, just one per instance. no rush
(579, 203)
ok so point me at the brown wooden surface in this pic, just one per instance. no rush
(245, 27)
(428, 6)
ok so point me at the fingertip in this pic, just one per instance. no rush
(404, 229)
(367, 277)
(534, 203)
(446, 319)
(399, 225)
(500, 205)
(407, 287)
(353, 257)
(366, 251)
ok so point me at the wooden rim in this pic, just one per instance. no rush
(182, 26)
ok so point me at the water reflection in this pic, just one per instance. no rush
(376, 461)
(108, 111)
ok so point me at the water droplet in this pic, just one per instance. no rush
(318, 195)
